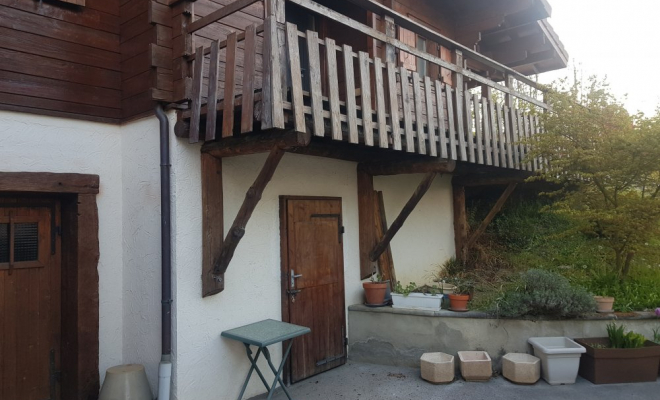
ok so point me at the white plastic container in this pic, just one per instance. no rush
(419, 301)
(560, 358)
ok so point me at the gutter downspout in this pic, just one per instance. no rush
(165, 366)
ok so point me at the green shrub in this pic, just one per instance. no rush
(544, 293)
(621, 340)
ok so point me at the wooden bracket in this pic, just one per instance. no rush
(403, 215)
(491, 214)
(252, 197)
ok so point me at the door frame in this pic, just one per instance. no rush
(284, 262)
(79, 222)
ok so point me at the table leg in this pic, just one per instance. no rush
(278, 372)
(254, 366)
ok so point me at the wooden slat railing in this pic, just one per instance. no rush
(382, 105)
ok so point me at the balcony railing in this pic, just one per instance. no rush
(376, 103)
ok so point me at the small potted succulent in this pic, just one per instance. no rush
(375, 290)
(458, 300)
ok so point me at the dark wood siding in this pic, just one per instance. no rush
(60, 59)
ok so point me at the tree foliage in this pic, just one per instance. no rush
(608, 164)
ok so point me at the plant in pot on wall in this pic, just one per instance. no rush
(417, 297)
(463, 287)
(605, 304)
(375, 290)
(619, 358)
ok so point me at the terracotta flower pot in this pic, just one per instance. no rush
(375, 292)
(604, 304)
(458, 302)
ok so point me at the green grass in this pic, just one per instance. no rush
(524, 236)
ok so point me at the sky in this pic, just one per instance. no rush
(617, 39)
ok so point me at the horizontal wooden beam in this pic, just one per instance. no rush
(46, 182)
(486, 181)
(260, 143)
(403, 215)
(220, 13)
(408, 167)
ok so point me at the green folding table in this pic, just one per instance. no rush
(262, 334)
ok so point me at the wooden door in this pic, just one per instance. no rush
(313, 256)
(29, 301)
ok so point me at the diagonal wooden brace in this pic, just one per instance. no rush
(403, 215)
(491, 214)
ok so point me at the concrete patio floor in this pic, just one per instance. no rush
(355, 381)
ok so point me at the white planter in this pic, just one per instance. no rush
(417, 301)
(560, 358)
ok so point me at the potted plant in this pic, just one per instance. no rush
(417, 297)
(619, 358)
(605, 304)
(458, 300)
(375, 290)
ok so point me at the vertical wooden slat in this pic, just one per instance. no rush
(333, 86)
(196, 106)
(459, 114)
(468, 138)
(394, 106)
(532, 123)
(315, 82)
(212, 99)
(351, 109)
(501, 124)
(365, 94)
(407, 111)
(527, 140)
(273, 112)
(419, 113)
(430, 117)
(442, 127)
(487, 138)
(494, 130)
(509, 137)
(450, 121)
(519, 139)
(249, 69)
(296, 78)
(380, 103)
(477, 129)
(230, 86)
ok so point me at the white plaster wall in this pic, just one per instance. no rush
(210, 367)
(32, 143)
(141, 245)
(426, 239)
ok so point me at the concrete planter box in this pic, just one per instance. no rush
(560, 358)
(476, 366)
(419, 301)
(521, 368)
(603, 365)
(437, 367)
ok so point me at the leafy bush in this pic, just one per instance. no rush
(544, 293)
(621, 340)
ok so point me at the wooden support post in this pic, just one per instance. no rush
(390, 31)
(491, 214)
(252, 198)
(385, 261)
(365, 188)
(460, 221)
(212, 223)
(403, 215)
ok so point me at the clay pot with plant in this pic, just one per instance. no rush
(375, 290)
(605, 304)
(458, 300)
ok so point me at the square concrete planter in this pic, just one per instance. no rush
(560, 358)
(605, 365)
(476, 366)
(419, 301)
(521, 368)
(437, 367)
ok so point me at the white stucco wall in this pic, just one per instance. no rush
(32, 143)
(211, 367)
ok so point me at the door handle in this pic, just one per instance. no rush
(293, 279)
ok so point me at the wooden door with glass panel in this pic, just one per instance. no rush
(30, 281)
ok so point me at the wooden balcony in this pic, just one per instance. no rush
(251, 82)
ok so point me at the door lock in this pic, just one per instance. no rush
(293, 294)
